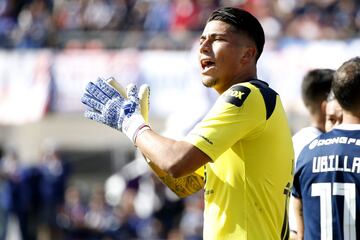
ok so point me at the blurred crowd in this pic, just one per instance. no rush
(40, 196)
(162, 23)
(31, 194)
(89, 215)
(43, 203)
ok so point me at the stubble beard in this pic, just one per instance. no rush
(209, 83)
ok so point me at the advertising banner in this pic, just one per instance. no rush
(31, 82)
(24, 85)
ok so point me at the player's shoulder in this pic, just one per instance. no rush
(327, 142)
(236, 94)
(305, 135)
(311, 149)
(240, 92)
(256, 85)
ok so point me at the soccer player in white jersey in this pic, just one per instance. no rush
(315, 88)
(327, 178)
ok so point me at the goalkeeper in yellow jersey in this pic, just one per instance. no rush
(240, 152)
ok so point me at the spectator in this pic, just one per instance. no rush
(32, 23)
(55, 172)
(130, 222)
(7, 22)
(99, 218)
(15, 195)
(35, 26)
(97, 15)
(71, 218)
(158, 17)
(191, 224)
(185, 15)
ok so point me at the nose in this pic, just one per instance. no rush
(205, 46)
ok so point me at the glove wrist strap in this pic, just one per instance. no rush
(140, 130)
(132, 125)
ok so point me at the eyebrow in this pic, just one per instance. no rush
(212, 35)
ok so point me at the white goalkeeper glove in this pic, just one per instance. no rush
(109, 107)
(144, 96)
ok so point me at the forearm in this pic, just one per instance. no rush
(157, 148)
(183, 186)
(299, 217)
(175, 158)
(158, 152)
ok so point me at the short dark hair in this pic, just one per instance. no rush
(315, 87)
(346, 85)
(242, 21)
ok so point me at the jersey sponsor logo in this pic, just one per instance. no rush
(336, 163)
(336, 140)
(236, 95)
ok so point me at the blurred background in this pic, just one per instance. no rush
(65, 177)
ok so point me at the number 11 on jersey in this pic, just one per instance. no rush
(325, 191)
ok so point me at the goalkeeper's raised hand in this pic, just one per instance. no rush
(144, 96)
(109, 107)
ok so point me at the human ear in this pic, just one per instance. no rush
(249, 54)
(323, 107)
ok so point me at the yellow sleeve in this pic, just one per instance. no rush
(239, 113)
(200, 171)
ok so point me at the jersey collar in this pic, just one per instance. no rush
(348, 126)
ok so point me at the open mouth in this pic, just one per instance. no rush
(207, 63)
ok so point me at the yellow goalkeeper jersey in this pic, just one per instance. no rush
(246, 134)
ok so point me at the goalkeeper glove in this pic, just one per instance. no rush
(144, 96)
(109, 107)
